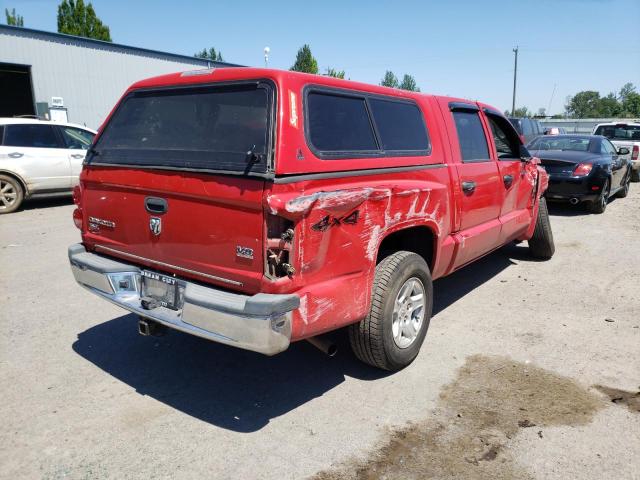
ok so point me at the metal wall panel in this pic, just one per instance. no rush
(89, 75)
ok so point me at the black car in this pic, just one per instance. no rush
(583, 168)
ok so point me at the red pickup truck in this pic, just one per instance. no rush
(258, 207)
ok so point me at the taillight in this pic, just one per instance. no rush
(582, 169)
(635, 152)
(77, 213)
(77, 194)
(77, 217)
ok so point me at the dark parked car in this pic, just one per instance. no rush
(527, 128)
(583, 168)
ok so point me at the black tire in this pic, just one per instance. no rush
(541, 244)
(635, 175)
(624, 191)
(600, 205)
(11, 194)
(372, 338)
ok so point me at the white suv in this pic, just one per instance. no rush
(624, 135)
(39, 158)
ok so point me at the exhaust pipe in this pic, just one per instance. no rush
(148, 328)
(324, 344)
(574, 201)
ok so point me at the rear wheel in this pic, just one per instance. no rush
(635, 175)
(541, 244)
(392, 333)
(600, 204)
(11, 194)
(624, 191)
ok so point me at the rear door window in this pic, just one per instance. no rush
(219, 128)
(400, 125)
(31, 135)
(339, 123)
(76, 138)
(473, 143)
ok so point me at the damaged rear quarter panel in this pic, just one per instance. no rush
(339, 225)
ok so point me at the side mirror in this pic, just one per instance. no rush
(623, 151)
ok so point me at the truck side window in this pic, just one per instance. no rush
(505, 138)
(400, 125)
(339, 123)
(473, 143)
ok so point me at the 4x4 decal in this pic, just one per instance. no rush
(329, 221)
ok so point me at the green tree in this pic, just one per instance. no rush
(74, 18)
(609, 106)
(626, 90)
(211, 54)
(409, 83)
(332, 72)
(519, 113)
(305, 61)
(584, 104)
(631, 105)
(13, 18)
(389, 80)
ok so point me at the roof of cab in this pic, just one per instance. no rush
(241, 73)
(212, 75)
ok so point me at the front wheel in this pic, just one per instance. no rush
(541, 244)
(391, 335)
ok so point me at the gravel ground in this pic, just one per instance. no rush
(530, 370)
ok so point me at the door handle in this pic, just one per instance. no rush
(508, 180)
(468, 187)
(77, 155)
(16, 154)
(156, 205)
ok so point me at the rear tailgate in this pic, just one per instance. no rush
(207, 218)
(175, 182)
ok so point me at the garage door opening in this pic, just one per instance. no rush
(16, 90)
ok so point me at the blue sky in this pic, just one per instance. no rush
(455, 47)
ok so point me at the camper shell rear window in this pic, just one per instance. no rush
(218, 128)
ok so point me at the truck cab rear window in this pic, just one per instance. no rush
(203, 128)
(343, 126)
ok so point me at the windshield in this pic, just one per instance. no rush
(620, 132)
(204, 128)
(578, 144)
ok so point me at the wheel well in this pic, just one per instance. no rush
(20, 181)
(420, 240)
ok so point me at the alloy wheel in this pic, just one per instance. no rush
(408, 312)
(8, 194)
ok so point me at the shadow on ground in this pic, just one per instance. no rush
(240, 390)
(48, 202)
(565, 209)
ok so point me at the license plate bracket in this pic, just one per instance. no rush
(165, 290)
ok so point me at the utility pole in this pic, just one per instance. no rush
(515, 76)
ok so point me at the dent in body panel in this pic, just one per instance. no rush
(337, 263)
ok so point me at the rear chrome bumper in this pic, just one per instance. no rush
(261, 323)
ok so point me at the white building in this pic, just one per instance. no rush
(53, 75)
